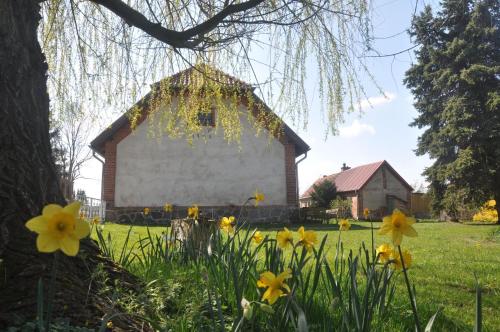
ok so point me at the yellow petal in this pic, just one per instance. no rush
(51, 209)
(385, 228)
(285, 286)
(46, 243)
(267, 277)
(73, 208)
(37, 224)
(397, 237)
(271, 295)
(70, 245)
(82, 229)
(410, 220)
(409, 231)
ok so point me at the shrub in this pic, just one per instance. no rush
(343, 207)
(487, 213)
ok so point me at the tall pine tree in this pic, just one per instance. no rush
(456, 85)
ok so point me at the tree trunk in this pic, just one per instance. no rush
(28, 181)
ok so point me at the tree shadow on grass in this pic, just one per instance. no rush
(314, 227)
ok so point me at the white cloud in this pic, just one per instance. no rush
(356, 129)
(371, 102)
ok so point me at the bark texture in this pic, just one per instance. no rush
(28, 181)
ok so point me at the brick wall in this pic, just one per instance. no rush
(291, 174)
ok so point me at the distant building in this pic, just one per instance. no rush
(375, 186)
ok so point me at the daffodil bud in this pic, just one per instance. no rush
(247, 309)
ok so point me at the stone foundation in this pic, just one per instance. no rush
(252, 214)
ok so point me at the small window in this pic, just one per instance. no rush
(207, 119)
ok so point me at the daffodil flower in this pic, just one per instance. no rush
(398, 224)
(384, 252)
(257, 237)
(396, 258)
(59, 228)
(284, 238)
(344, 225)
(259, 197)
(193, 212)
(307, 238)
(168, 207)
(275, 285)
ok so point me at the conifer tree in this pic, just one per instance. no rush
(456, 85)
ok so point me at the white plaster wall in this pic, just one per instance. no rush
(374, 194)
(151, 171)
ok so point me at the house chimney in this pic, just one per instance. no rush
(344, 167)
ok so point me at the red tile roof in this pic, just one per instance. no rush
(351, 179)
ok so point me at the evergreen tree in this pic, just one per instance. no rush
(456, 85)
(323, 194)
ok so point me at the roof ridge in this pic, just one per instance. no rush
(231, 80)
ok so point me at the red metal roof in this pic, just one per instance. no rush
(349, 180)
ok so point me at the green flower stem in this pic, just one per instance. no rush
(373, 243)
(52, 287)
(410, 293)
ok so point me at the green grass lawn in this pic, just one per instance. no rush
(446, 256)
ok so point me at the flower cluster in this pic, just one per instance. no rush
(396, 225)
(388, 254)
(227, 224)
(306, 238)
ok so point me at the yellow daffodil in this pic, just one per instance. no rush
(275, 285)
(284, 238)
(257, 237)
(398, 224)
(227, 224)
(146, 211)
(193, 212)
(259, 197)
(491, 203)
(384, 252)
(307, 238)
(168, 207)
(366, 212)
(344, 225)
(398, 265)
(96, 220)
(59, 228)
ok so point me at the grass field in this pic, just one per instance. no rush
(446, 257)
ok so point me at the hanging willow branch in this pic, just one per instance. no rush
(105, 54)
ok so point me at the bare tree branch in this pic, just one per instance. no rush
(178, 39)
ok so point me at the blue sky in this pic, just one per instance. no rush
(379, 132)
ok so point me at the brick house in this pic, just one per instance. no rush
(376, 186)
(141, 172)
